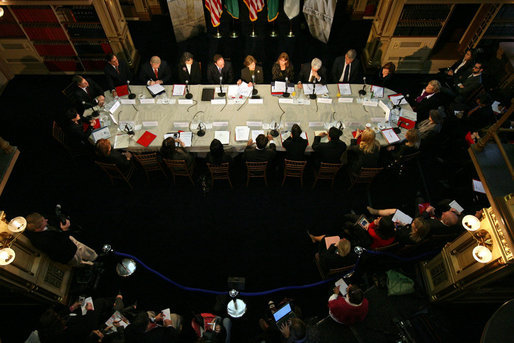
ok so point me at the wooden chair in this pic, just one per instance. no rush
(391, 246)
(327, 171)
(68, 91)
(113, 172)
(294, 169)
(256, 170)
(219, 172)
(404, 163)
(60, 137)
(179, 168)
(365, 176)
(149, 163)
(333, 271)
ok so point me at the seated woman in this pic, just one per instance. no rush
(414, 233)
(282, 68)
(106, 154)
(409, 146)
(74, 129)
(382, 231)
(217, 154)
(251, 69)
(364, 155)
(295, 145)
(428, 131)
(385, 76)
(189, 70)
(337, 255)
(169, 150)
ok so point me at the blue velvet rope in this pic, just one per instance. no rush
(254, 294)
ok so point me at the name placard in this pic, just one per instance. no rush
(185, 101)
(128, 101)
(220, 124)
(316, 124)
(324, 100)
(181, 124)
(346, 100)
(256, 101)
(286, 101)
(254, 123)
(218, 102)
(372, 103)
(147, 101)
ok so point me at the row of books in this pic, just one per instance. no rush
(92, 48)
(77, 14)
(45, 32)
(428, 12)
(55, 49)
(43, 14)
(86, 31)
(417, 31)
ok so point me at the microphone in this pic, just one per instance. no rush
(131, 95)
(362, 92)
(285, 95)
(87, 105)
(254, 91)
(221, 93)
(313, 95)
(128, 129)
(188, 95)
(201, 131)
(398, 104)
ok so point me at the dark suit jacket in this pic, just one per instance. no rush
(423, 108)
(305, 71)
(355, 70)
(355, 159)
(213, 75)
(118, 159)
(329, 152)
(53, 242)
(216, 160)
(146, 73)
(280, 75)
(386, 82)
(115, 79)
(470, 84)
(252, 154)
(194, 78)
(463, 72)
(295, 148)
(80, 95)
(246, 75)
(76, 135)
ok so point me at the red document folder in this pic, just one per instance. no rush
(96, 125)
(146, 138)
(122, 90)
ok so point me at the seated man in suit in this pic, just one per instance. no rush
(331, 151)
(429, 99)
(87, 93)
(347, 68)
(117, 73)
(74, 129)
(58, 244)
(295, 145)
(219, 69)
(189, 70)
(260, 153)
(460, 69)
(155, 72)
(469, 84)
(314, 71)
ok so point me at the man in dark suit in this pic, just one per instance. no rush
(347, 68)
(74, 130)
(460, 69)
(295, 145)
(86, 94)
(429, 99)
(117, 73)
(219, 68)
(313, 71)
(155, 72)
(260, 153)
(331, 151)
(469, 84)
(189, 70)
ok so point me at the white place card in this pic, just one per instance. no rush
(372, 103)
(345, 100)
(166, 101)
(324, 100)
(127, 122)
(266, 126)
(114, 106)
(256, 101)
(316, 124)
(303, 101)
(286, 101)
(208, 126)
(147, 101)
(218, 101)
(377, 120)
(220, 124)
(150, 123)
(181, 124)
(179, 90)
(138, 127)
(128, 101)
(185, 101)
(254, 123)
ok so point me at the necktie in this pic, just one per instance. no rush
(87, 91)
(422, 96)
(117, 70)
(156, 74)
(345, 74)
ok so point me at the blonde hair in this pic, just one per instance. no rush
(419, 230)
(343, 247)
(368, 142)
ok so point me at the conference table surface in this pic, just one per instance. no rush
(317, 115)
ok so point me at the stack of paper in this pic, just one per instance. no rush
(378, 92)
(320, 89)
(242, 133)
(255, 133)
(390, 136)
(222, 136)
(286, 134)
(244, 89)
(323, 139)
(401, 218)
(344, 88)
(156, 89)
(179, 90)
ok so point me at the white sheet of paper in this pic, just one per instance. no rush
(181, 124)
(166, 314)
(121, 141)
(372, 103)
(454, 204)
(320, 89)
(114, 106)
(280, 86)
(324, 100)
(222, 136)
(478, 186)
(401, 217)
(378, 92)
(255, 133)
(128, 101)
(396, 98)
(220, 124)
(155, 88)
(233, 91)
(220, 101)
(242, 133)
(254, 123)
(316, 124)
(186, 137)
(342, 286)
(117, 317)
(409, 114)
(179, 90)
(390, 136)
(256, 101)
(185, 101)
(244, 89)
(344, 88)
(266, 126)
(345, 100)
(323, 139)
(208, 126)
(86, 301)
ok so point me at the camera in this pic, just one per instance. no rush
(61, 216)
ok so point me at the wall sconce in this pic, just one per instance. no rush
(471, 223)
(482, 254)
(1, 12)
(15, 226)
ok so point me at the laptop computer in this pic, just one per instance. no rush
(283, 315)
(100, 133)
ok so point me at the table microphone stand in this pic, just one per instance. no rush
(313, 96)
(188, 95)
(131, 95)
(221, 93)
(285, 94)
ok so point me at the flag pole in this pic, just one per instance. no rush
(233, 34)
(218, 34)
(253, 34)
(290, 34)
(273, 33)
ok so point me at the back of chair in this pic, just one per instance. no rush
(113, 172)
(294, 168)
(219, 172)
(257, 169)
(328, 170)
(148, 161)
(391, 246)
(366, 175)
(177, 167)
(57, 133)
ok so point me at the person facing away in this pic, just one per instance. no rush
(350, 308)
(331, 151)
(259, 152)
(295, 145)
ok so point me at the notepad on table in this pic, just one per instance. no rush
(222, 136)
(242, 133)
(146, 139)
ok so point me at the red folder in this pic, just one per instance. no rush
(96, 125)
(146, 138)
(354, 133)
(122, 90)
(406, 123)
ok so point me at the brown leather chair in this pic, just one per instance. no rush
(219, 172)
(256, 170)
(179, 168)
(327, 171)
(294, 169)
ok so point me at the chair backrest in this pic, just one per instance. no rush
(409, 157)
(328, 170)
(148, 161)
(219, 172)
(57, 133)
(177, 167)
(111, 170)
(256, 169)
(294, 168)
(388, 247)
(68, 90)
(366, 175)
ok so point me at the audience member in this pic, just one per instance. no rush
(331, 151)
(173, 149)
(429, 99)
(312, 72)
(468, 85)
(217, 154)
(350, 308)
(364, 155)
(414, 233)
(295, 145)
(189, 70)
(282, 68)
(460, 69)
(385, 77)
(251, 69)
(407, 147)
(87, 93)
(106, 154)
(155, 72)
(259, 152)
(381, 230)
(77, 131)
(58, 244)
(347, 68)
(219, 69)
(337, 255)
(480, 116)
(116, 72)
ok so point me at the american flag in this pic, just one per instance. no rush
(254, 6)
(214, 6)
